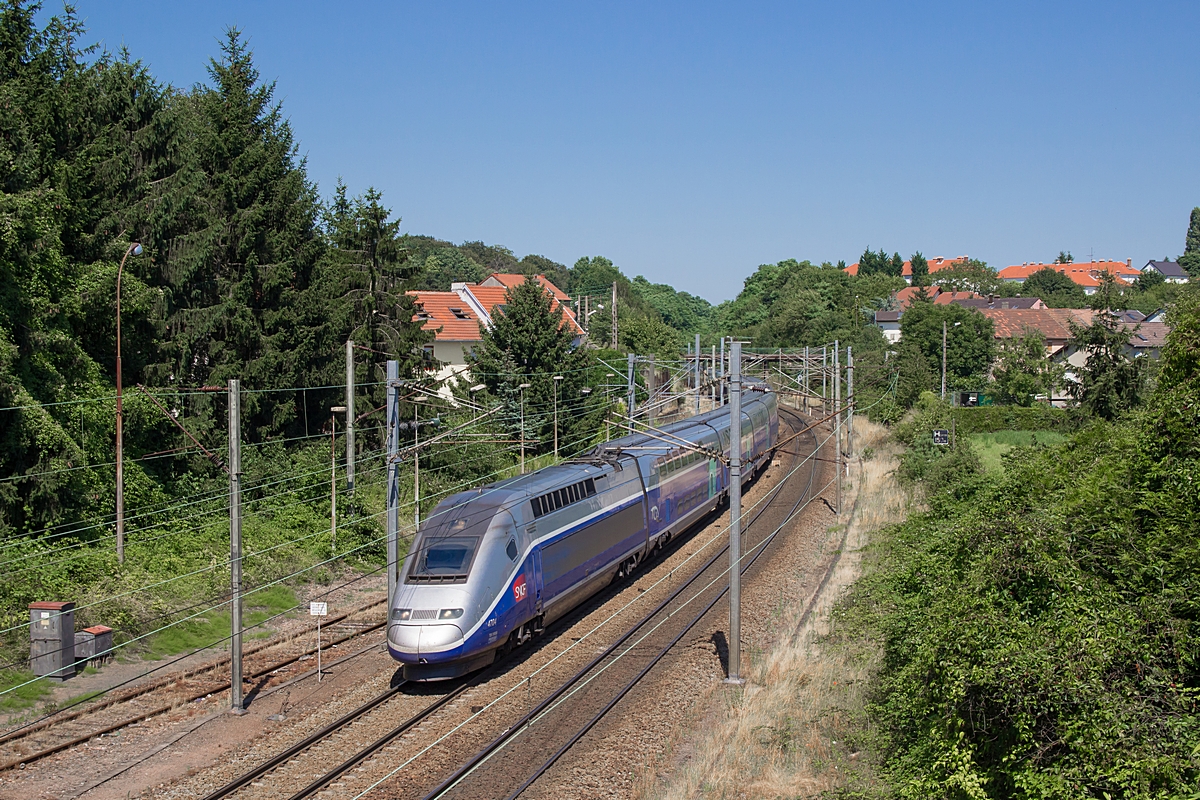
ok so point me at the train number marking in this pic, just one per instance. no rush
(519, 588)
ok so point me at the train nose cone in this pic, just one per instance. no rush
(435, 638)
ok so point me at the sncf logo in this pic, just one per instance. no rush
(519, 588)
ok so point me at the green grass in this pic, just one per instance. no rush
(81, 698)
(21, 697)
(212, 629)
(992, 447)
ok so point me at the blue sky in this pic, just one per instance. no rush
(691, 142)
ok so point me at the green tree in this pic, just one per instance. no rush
(650, 336)
(680, 310)
(920, 269)
(1024, 371)
(970, 345)
(1110, 383)
(1148, 280)
(1064, 257)
(1190, 260)
(1055, 289)
(445, 266)
(528, 343)
(968, 276)
(880, 264)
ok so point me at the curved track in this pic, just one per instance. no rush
(323, 753)
(528, 749)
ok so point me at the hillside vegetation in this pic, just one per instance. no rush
(1039, 625)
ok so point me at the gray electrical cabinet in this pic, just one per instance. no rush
(101, 643)
(52, 639)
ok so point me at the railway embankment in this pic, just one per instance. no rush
(795, 728)
(1030, 629)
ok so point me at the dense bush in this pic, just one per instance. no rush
(1040, 625)
(989, 419)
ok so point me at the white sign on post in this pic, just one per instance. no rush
(318, 609)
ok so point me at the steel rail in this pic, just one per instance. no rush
(162, 709)
(762, 548)
(469, 766)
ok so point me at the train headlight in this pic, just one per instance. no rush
(450, 613)
(401, 614)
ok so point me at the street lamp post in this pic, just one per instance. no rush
(333, 412)
(523, 387)
(944, 356)
(135, 249)
(557, 380)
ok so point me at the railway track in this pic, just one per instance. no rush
(318, 760)
(34, 742)
(530, 748)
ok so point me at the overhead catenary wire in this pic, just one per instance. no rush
(583, 641)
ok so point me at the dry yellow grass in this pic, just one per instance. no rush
(783, 734)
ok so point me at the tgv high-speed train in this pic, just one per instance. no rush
(493, 566)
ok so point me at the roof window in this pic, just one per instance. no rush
(459, 313)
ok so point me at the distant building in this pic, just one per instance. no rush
(1085, 274)
(459, 316)
(905, 297)
(1001, 302)
(1170, 270)
(1055, 325)
(889, 323)
(936, 264)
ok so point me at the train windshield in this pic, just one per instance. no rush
(449, 539)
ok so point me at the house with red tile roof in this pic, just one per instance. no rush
(1086, 274)
(936, 295)
(936, 263)
(459, 316)
(1146, 338)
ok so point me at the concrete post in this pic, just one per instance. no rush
(350, 417)
(735, 513)
(393, 476)
(237, 701)
(849, 402)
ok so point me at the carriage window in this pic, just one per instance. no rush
(511, 550)
(552, 501)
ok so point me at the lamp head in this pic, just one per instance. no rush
(137, 249)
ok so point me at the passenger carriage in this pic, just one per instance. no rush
(493, 566)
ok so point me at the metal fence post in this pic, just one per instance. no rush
(237, 701)
(393, 475)
(735, 513)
